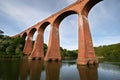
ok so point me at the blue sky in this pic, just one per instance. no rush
(104, 20)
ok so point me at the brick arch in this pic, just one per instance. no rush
(43, 26)
(31, 35)
(58, 20)
(53, 51)
(24, 35)
(31, 32)
(89, 5)
(38, 49)
(29, 42)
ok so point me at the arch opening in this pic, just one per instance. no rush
(68, 27)
(32, 31)
(43, 26)
(24, 36)
(62, 16)
(89, 5)
(32, 34)
(44, 30)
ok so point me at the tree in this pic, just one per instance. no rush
(45, 48)
(10, 50)
(1, 32)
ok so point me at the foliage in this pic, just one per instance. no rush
(1, 32)
(64, 52)
(68, 53)
(108, 51)
(11, 46)
(45, 49)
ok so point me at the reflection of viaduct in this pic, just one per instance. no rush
(85, 47)
(33, 70)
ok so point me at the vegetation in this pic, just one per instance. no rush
(106, 51)
(11, 46)
(14, 47)
(68, 53)
(112, 51)
(1, 32)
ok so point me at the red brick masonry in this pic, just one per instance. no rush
(86, 54)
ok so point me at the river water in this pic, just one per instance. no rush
(64, 70)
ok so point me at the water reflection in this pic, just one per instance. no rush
(24, 69)
(88, 72)
(52, 70)
(108, 71)
(9, 70)
(65, 70)
(31, 69)
(35, 69)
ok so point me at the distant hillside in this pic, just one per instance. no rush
(108, 50)
(112, 51)
(14, 46)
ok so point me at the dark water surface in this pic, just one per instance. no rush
(65, 70)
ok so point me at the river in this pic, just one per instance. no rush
(64, 70)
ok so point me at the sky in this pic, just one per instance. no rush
(104, 20)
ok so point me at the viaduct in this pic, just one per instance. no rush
(86, 54)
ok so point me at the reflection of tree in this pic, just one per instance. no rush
(112, 61)
(9, 70)
(110, 66)
(88, 72)
(52, 70)
(69, 62)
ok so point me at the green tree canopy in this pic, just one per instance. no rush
(1, 32)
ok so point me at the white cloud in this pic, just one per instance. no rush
(23, 14)
(107, 40)
(104, 22)
(27, 14)
(103, 19)
(70, 1)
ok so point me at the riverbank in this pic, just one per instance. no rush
(10, 57)
(68, 58)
